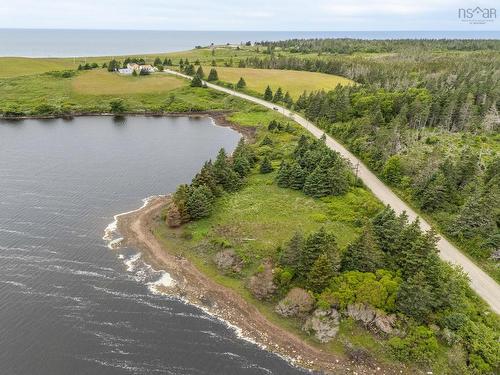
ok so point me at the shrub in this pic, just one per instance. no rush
(419, 346)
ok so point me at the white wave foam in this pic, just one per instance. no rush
(130, 263)
(165, 281)
(112, 227)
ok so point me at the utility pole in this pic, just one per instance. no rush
(356, 171)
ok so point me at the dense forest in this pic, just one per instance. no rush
(389, 280)
(424, 116)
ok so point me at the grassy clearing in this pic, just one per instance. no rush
(19, 66)
(102, 82)
(258, 219)
(293, 81)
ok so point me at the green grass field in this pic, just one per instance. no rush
(102, 82)
(295, 82)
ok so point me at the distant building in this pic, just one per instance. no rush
(138, 68)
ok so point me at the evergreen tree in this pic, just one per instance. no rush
(363, 254)
(196, 81)
(113, 65)
(198, 202)
(200, 72)
(317, 184)
(338, 177)
(224, 174)
(417, 251)
(321, 273)
(282, 179)
(288, 100)
(206, 178)
(213, 76)
(435, 193)
(316, 244)
(291, 254)
(157, 61)
(181, 64)
(241, 84)
(477, 216)
(414, 297)
(387, 228)
(278, 95)
(266, 166)
(268, 94)
(180, 198)
(214, 63)
(241, 165)
(297, 177)
(189, 70)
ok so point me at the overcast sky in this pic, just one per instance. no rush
(326, 15)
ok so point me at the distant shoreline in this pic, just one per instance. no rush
(66, 43)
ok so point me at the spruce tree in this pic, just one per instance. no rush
(363, 254)
(180, 198)
(266, 166)
(318, 243)
(200, 72)
(213, 76)
(189, 70)
(338, 177)
(291, 254)
(241, 165)
(317, 184)
(387, 228)
(157, 61)
(278, 95)
(414, 297)
(288, 100)
(321, 273)
(196, 81)
(296, 177)
(206, 178)
(241, 84)
(224, 174)
(198, 202)
(283, 177)
(268, 94)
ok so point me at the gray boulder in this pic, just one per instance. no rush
(262, 283)
(323, 324)
(228, 261)
(298, 302)
(372, 318)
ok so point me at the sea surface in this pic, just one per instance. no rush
(75, 43)
(69, 304)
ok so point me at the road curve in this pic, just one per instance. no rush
(482, 284)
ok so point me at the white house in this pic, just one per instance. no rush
(139, 68)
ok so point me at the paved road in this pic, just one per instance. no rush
(483, 284)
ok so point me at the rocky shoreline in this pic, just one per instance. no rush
(194, 287)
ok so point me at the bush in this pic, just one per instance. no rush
(419, 346)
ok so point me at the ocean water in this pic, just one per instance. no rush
(74, 43)
(69, 304)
